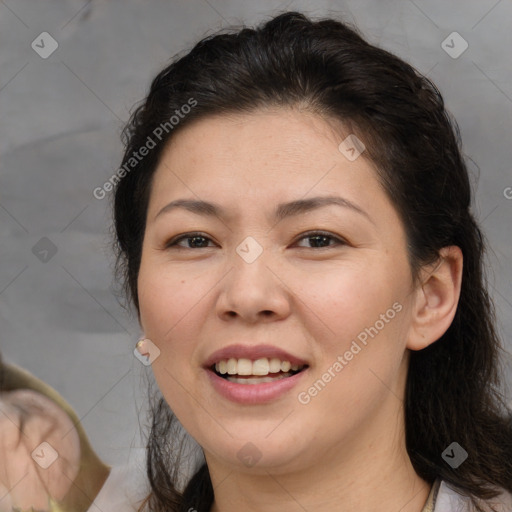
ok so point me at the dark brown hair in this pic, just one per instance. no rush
(2, 374)
(324, 66)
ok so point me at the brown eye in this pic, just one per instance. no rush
(321, 239)
(193, 240)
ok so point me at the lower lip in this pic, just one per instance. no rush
(253, 393)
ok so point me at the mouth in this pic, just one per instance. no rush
(254, 374)
(258, 371)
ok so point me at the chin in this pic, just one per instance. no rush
(258, 453)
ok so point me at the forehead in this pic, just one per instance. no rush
(246, 153)
(282, 131)
(255, 169)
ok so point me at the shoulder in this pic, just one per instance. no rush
(449, 499)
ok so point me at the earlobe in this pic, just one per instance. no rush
(436, 299)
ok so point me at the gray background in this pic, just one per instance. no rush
(59, 139)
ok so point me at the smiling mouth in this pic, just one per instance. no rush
(259, 371)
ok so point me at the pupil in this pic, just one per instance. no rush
(195, 238)
(317, 238)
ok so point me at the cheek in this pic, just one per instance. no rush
(359, 333)
(365, 346)
(166, 301)
(173, 311)
(350, 298)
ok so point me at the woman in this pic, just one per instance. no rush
(293, 227)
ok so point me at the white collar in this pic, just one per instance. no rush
(448, 500)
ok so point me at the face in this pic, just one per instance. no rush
(281, 318)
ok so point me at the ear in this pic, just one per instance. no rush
(437, 297)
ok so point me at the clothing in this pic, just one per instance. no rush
(125, 488)
(443, 498)
(432, 497)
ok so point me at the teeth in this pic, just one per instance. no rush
(260, 367)
(275, 365)
(231, 366)
(222, 367)
(244, 367)
(258, 380)
(285, 366)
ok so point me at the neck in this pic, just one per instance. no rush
(369, 472)
(393, 486)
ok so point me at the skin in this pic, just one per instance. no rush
(31, 412)
(27, 419)
(345, 449)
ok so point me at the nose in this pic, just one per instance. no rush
(254, 291)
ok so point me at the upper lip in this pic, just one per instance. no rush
(252, 352)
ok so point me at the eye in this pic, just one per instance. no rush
(195, 241)
(320, 238)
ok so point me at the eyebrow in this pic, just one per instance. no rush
(282, 211)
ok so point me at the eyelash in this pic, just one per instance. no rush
(173, 243)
